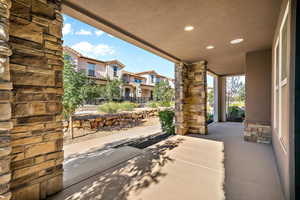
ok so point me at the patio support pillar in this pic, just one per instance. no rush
(221, 98)
(258, 96)
(191, 95)
(5, 103)
(36, 65)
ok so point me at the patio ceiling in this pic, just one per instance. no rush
(158, 26)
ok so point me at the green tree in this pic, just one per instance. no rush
(92, 91)
(210, 97)
(163, 92)
(112, 89)
(235, 88)
(74, 83)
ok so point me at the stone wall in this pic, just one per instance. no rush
(93, 122)
(36, 73)
(191, 95)
(259, 133)
(5, 103)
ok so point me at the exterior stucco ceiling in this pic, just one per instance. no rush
(157, 25)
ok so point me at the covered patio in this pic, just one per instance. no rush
(255, 38)
(217, 166)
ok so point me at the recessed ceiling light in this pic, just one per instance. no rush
(236, 41)
(188, 28)
(210, 47)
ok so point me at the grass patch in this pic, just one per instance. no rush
(112, 107)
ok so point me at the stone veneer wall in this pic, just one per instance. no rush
(36, 64)
(259, 133)
(5, 103)
(126, 119)
(191, 95)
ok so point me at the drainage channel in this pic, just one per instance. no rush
(142, 143)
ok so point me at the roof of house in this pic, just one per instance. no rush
(153, 72)
(69, 49)
(133, 74)
(116, 62)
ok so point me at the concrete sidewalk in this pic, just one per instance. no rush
(214, 167)
(177, 168)
(74, 150)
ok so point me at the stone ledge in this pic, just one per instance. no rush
(260, 133)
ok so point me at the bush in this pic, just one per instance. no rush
(152, 104)
(166, 118)
(165, 104)
(127, 106)
(235, 114)
(110, 107)
(210, 118)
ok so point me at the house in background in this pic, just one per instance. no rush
(95, 69)
(132, 84)
(136, 85)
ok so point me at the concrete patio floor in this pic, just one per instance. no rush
(218, 166)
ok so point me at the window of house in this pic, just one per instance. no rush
(91, 69)
(115, 69)
(157, 80)
(137, 80)
(281, 66)
(284, 50)
(152, 78)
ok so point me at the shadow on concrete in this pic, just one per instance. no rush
(118, 182)
(250, 168)
(137, 142)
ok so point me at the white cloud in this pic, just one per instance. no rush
(83, 32)
(67, 29)
(110, 35)
(99, 32)
(93, 51)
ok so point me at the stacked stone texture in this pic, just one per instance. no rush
(5, 102)
(259, 133)
(90, 122)
(191, 98)
(36, 73)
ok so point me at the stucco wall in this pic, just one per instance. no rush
(258, 87)
(282, 156)
(100, 69)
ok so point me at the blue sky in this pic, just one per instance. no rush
(94, 43)
(97, 44)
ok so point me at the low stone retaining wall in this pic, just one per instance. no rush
(259, 133)
(90, 122)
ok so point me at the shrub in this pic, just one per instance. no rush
(110, 107)
(152, 104)
(166, 118)
(236, 114)
(210, 118)
(127, 106)
(165, 104)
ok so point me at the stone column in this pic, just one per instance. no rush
(191, 96)
(36, 72)
(5, 102)
(181, 107)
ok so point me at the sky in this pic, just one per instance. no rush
(97, 44)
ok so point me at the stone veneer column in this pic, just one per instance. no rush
(36, 72)
(5, 102)
(181, 110)
(191, 95)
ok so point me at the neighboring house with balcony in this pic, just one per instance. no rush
(95, 69)
(135, 84)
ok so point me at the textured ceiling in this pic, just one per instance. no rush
(157, 25)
